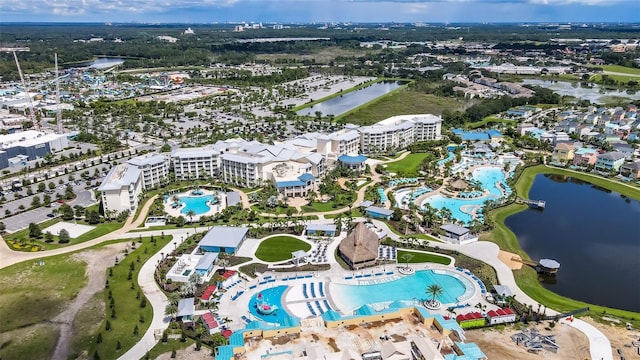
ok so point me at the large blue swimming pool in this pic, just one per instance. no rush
(408, 288)
(196, 203)
(488, 177)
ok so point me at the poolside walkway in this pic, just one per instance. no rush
(599, 344)
(9, 257)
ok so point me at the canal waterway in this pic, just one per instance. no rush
(594, 234)
(343, 103)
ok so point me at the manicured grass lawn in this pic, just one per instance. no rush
(489, 120)
(619, 78)
(526, 277)
(31, 295)
(100, 229)
(420, 257)
(526, 180)
(279, 248)
(409, 165)
(402, 102)
(620, 69)
(321, 206)
(128, 302)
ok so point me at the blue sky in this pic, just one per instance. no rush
(205, 11)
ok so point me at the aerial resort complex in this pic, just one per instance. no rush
(334, 190)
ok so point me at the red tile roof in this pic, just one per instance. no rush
(227, 333)
(208, 292)
(208, 319)
(229, 273)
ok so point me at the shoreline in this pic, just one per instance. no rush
(506, 239)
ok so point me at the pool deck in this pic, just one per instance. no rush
(176, 212)
(235, 302)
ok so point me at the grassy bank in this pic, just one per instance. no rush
(527, 277)
(340, 93)
(31, 296)
(404, 101)
(16, 239)
(489, 120)
(128, 313)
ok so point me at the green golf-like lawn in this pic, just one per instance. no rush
(421, 257)
(279, 248)
(408, 166)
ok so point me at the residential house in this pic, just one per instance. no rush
(563, 153)
(631, 170)
(610, 161)
(585, 156)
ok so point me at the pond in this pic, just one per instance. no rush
(103, 63)
(592, 232)
(343, 103)
(593, 93)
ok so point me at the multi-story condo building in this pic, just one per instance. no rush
(120, 189)
(398, 132)
(345, 141)
(193, 163)
(154, 168)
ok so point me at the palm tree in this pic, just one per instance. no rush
(406, 257)
(171, 310)
(434, 290)
(190, 214)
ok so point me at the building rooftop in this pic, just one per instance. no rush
(379, 210)
(224, 236)
(455, 229)
(120, 176)
(149, 159)
(352, 159)
(186, 307)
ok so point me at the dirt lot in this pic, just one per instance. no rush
(97, 263)
(189, 353)
(498, 344)
(620, 338)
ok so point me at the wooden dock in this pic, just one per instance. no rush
(547, 266)
(534, 204)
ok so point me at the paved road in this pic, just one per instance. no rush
(9, 257)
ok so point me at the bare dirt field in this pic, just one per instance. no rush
(97, 263)
(189, 353)
(497, 344)
(620, 338)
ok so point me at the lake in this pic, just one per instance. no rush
(102, 63)
(593, 93)
(592, 232)
(343, 103)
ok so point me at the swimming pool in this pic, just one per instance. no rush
(407, 288)
(196, 203)
(461, 209)
(272, 296)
